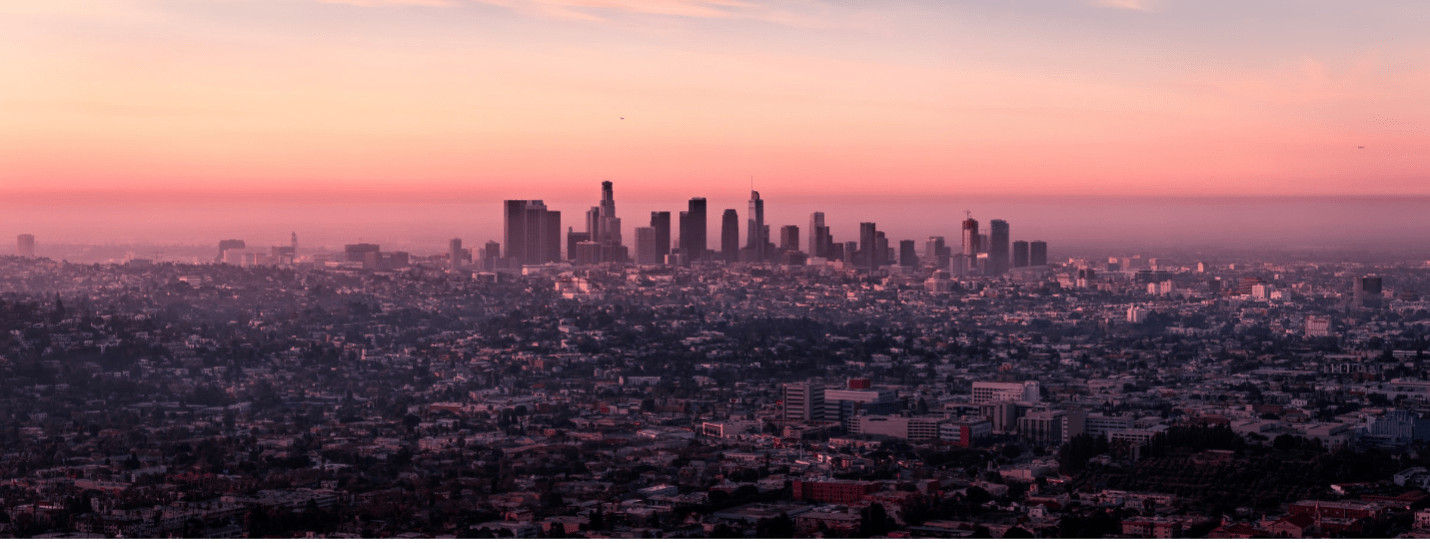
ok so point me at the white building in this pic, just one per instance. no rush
(988, 392)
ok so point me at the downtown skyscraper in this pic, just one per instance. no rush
(693, 224)
(968, 260)
(820, 240)
(530, 232)
(730, 236)
(756, 231)
(660, 221)
(997, 247)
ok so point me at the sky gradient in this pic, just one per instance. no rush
(443, 100)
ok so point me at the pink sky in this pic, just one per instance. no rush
(374, 100)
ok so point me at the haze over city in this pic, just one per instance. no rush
(639, 269)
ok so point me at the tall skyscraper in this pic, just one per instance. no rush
(968, 264)
(660, 221)
(1038, 253)
(604, 227)
(25, 245)
(819, 239)
(730, 236)
(532, 233)
(454, 253)
(789, 238)
(693, 223)
(907, 256)
(226, 245)
(646, 253)
(883, 254)
(574, 239)
(998, 247)
(489, 255)
(757, 234)
(1366, 291)
(1020, 254)
(869, 255)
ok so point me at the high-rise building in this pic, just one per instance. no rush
(660, 221)
(851, 253)
(532, 233)
(1366, 291)
(730, 236)
(756, 232)
(226, 245)
(574, 238)
(646, 246)
(1038, 253)
(883, 255)
(25, 245)
(489, 256)
(692, 230)
(604, 228)
(907, 256)
(968, 264)
(804, 401)
(998, 247)
(818, 235)
(789, 238)
(1020, 254)
(454, 253)
(869, 254)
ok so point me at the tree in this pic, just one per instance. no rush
(558, 531)
(780, 527)
(1017, 532)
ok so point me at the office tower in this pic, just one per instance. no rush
(225, 245)
(804, 402)
(907, 256)
(604, 228)
(25, 245)
(660, 221)
(490, 255)
(588, 253)
(885, 254)
(932, 247)
(1020, 254)
(574, 238)
(836, 252)
(789, 238)
(692, 230)
(1366, 291)
(757, 234)
(969, 261)
(819, 240)
(454, 253)
(369, 254)
(998, 247)
(1038, 253)
(730, 236)
(532, 233)
(851, 253)
(869, 254)
(646, 253)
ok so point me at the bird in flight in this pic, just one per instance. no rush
(1357, 147)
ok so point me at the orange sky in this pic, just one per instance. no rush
(487, 99)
